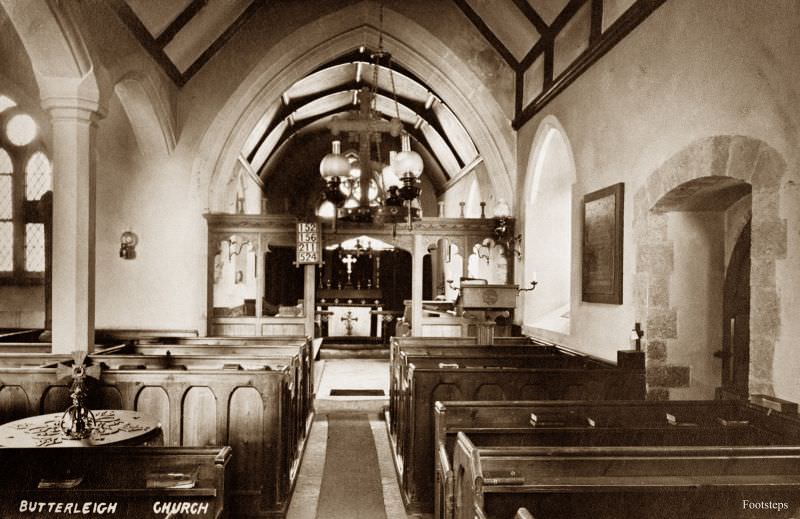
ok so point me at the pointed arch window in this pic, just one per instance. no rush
(25, 177)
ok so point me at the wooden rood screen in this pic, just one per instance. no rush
(250, 410)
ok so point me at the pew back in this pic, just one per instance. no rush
(119, 481)
(250, 410)
(415, 442)
(612, 482)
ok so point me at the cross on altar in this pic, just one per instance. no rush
(348, 320)
(368, 127)
(349, 260)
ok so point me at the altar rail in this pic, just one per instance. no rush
(250, 410)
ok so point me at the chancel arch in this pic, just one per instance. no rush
(546, 212)
(687, 218)
(344, 31)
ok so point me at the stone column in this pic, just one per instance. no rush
(73, 224)
(416, 284)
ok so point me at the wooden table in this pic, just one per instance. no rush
(113, 427)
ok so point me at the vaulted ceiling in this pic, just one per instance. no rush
(546, 43)
(183, 35)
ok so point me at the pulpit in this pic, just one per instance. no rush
(481, 304)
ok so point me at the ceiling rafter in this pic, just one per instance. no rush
(533, 17)
(566, 14)
(142, 35)
(223, 39)
(431, 121)
(487, 33)
(623, 26)
(416, 135)
(155, 46)
(179, 22)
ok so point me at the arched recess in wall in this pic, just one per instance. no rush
(322, 41)
(687, 217)
(546, 212)
(150, 116)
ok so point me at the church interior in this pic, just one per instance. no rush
(463, 259)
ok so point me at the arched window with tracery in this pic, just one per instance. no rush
(25, 176)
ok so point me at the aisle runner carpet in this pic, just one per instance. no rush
(351, 481)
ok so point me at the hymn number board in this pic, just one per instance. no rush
(309, 239)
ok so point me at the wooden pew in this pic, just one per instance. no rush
(20, 336)
(398, 369)
(250, 410)
(729, 423)
(115, 481)
(427, 384)
(429, 344)
(472, 357)
(630, 482)
(242, 346)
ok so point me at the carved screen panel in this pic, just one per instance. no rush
(234, 285)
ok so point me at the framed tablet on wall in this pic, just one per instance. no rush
(602, 245)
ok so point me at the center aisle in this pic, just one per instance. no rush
(351, 481)
(347, 470)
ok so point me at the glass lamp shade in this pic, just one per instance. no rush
(372, 193)
(408, 162)
(326, 209)
(351, 203)
(501, 209)
(334, 164)
(389, 177)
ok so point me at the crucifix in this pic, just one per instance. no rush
(349, 260)
(348, 320)
(367, 127)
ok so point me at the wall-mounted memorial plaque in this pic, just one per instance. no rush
(309, 240)
(602, 245)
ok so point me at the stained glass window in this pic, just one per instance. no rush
(34, 247)
(21, 129)
(37, 176)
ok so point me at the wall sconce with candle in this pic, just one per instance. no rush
(127, 247)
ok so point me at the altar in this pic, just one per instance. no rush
(350, 321)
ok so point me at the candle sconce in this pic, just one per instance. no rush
(531, 289)
(127, 248)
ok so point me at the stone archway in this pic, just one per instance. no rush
(746, 159)
(323, 40)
